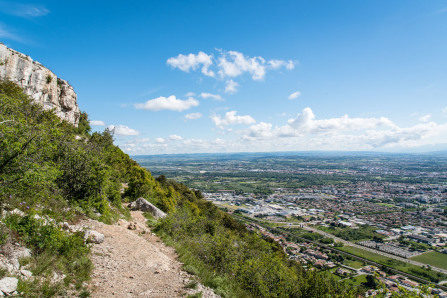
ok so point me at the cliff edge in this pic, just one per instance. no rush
(40, 83)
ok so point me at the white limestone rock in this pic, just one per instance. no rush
(40, 83)
(143, 205)
(26, 273)
(92, 236)
(8, 285)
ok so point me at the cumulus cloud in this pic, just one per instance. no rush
(193, 116)
(425, 118)
(305, 122)
(160, 140)
(168, 103)
(294, 95)
(122, 130)
(260, 130)
(175, 138)
(229, 65)
(192, 62)
(231, 87)
(233, 64)
(97, 122)
(231, 118)
(212, 96)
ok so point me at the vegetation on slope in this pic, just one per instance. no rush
(49, 168)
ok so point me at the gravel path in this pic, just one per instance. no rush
(135, 263)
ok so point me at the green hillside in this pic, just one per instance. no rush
(50, 168)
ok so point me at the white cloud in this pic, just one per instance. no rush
(190, 94)
(193, 116)
(97, 122)
(294, 95)
(261, 130)
(175, 138)
(306, 123)
(231, 118)
(168, 103)
(229, 65)
(233, 64)
(192, 61)
(122, 130)
(290, 65)
(212, 96)
(425, 118)
(160, 140)
(231, 87)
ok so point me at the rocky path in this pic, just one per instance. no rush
(135, 263)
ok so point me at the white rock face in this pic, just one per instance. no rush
(143, 205)
(8, 284)
(40, 83)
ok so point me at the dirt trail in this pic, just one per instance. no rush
(136, 263)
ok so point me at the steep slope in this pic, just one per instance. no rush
(40, 83)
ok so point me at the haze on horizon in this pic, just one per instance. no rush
(251, 76)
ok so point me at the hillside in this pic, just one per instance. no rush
(55, 175)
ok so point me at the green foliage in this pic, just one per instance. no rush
(83, 125)
(48, 79)
(235, 262)
(349, 234)
(54, 250)
(44, 163)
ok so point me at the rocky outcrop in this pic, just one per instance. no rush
(40, 83)
(92, 236)
(142, 204)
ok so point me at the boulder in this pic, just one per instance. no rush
(142, 204)
(26, 273)
(22, 252)
(92, 236)
(8, 285)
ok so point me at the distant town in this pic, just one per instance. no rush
(350, 216)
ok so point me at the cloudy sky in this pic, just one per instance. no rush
(231, 76)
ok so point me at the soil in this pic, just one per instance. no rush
(134, 262)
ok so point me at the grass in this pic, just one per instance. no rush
(356, 280)
(433, 258)
(396, 264)
(386, 205)
(353, 263)
(222, 284)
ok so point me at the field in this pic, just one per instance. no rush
(396, 264)
(433, 258)
(353, 264)
(356, 280)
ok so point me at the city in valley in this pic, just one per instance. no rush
(376, 220)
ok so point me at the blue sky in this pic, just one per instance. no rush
(231, 76)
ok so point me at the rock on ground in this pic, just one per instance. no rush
(8, 285)
(142, 204)
(92, 236)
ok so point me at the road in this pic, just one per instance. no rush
(411, 276)
(306, 227)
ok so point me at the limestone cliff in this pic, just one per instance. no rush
(40, 83)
